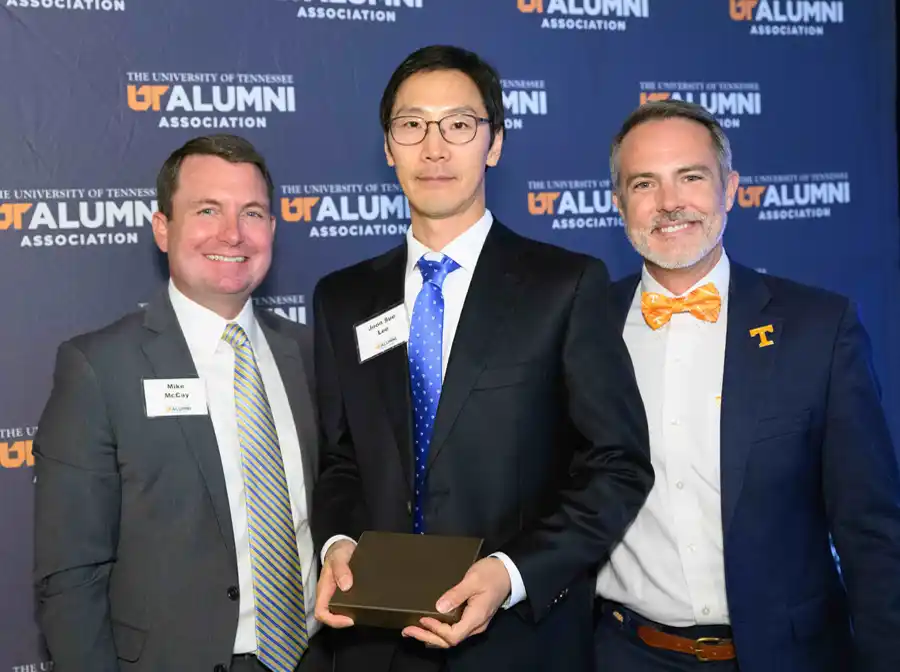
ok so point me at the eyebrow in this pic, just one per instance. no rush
(695, 168)
(218, 204)
(467, 109)
(205, 201)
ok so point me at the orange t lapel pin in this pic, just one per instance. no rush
(761, 333)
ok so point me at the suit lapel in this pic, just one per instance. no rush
(169, 357)
(748, 368)
(392, 368)
(622, 296)
(489, 299)
(286, 353)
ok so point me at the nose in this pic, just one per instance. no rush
(230, 229)
(434, 147)
(668, 197)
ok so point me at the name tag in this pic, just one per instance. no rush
(167, 397)
(382, 333)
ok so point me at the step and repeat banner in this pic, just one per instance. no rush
(94, 94)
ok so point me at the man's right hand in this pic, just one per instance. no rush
(335, 574)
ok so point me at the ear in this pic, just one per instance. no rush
(387, 152)
(615, 200)
(273, 222)
(731, 187)
(160, 224)
(493, 156)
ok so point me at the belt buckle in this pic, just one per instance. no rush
(706, 641)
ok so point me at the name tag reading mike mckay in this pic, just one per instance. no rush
(167, 397)
(382, 333)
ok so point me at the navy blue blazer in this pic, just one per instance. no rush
(806, 457)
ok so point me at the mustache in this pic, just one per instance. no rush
(675, 216)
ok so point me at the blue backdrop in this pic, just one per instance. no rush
(96, 93)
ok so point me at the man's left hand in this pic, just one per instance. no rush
(483, 590)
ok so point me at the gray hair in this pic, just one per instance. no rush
(672, 109)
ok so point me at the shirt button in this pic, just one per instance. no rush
(692, 548)
(674, 421)
(680, 485)
(233, 593)
(706, 611)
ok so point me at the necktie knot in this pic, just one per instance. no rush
(704, 303)
(436, 272)
(235, 335)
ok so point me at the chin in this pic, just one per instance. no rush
(235, 288)
(673, 264)
(440, 210)
(684, 259)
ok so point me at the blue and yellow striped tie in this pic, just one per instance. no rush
(277, 577)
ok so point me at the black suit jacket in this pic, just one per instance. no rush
(540, 443)
(805, 458)
(134, 546)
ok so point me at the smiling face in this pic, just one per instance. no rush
(672, 198)
(219, 237)
(443, 181)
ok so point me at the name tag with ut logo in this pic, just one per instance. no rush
(382, 333)
(165, 397)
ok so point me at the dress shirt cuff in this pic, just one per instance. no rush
(517, 586)
(330, 543)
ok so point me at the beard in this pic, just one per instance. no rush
(688, 255)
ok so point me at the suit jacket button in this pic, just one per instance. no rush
(233, 593)
(408, 507)
(220, 668)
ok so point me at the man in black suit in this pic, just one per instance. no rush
(531, 434)
(171, 438)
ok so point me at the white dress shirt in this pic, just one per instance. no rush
(670, 565)
(464, 250)
(214, 359)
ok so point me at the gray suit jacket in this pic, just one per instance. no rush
(135, 563)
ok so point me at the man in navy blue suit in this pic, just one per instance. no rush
(767, 436)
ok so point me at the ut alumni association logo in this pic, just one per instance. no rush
(594, 15)
(573, 204)
(346, 210)
(787, 17)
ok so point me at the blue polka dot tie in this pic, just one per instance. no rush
(425, 347)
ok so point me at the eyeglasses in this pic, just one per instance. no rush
(457, 129)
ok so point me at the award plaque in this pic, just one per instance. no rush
(398, 578)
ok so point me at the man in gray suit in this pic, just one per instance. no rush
(176, 457)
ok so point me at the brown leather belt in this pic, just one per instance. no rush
(705, 649)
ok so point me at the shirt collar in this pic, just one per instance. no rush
(720, 276)
(203, 328)
(464, 249)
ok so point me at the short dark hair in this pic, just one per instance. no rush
(444, 57)
(672, 109)
(231, 148)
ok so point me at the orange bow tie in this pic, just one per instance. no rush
(703, 303)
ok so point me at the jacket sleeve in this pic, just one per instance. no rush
(862, 497)
(610, 475)
(338, 504)
(76, 518)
